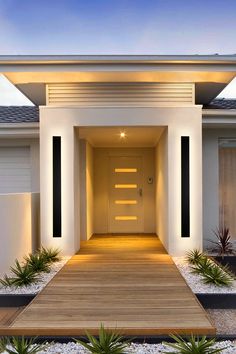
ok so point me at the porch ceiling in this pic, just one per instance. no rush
(110, 137)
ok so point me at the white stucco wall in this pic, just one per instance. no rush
(162, 189)
(82, 190)
(86, 190)
(18, 234)
(181, 121)
(211, 138)
(89, 190)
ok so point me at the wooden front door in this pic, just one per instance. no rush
(125, 194)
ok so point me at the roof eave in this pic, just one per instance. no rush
(106, 59)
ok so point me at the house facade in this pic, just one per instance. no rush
(117, 144)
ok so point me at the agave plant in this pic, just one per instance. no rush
(20, 345)
(50, 254)
(36, 261)
(22, 275)
(223, 244)
(108, 342)
(194, 256)
(6, 281)
(202, 265)
(212, 273)
(216, 275)
(193, 345)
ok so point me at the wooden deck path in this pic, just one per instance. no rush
(125, 282)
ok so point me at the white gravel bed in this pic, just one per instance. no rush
(133, 348)
(196, 283)
(44, 278)
(224, 320)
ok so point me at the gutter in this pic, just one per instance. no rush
(14, 130)
(219, 118)
(111, 59)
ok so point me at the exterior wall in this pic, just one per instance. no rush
(90, 190)
(83, 199)
(162, 189)
(86, 190)
(211, 179)
(20, 237)
(101, 186)
(181, 121)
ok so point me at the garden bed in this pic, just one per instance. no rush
(36, 287)
(133, 348)
(209, 295)
(229, 261)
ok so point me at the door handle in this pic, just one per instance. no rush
(140, 192)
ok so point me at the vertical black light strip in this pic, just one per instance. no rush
(56, 186)
(185, 190)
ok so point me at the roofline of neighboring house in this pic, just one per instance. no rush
(218, 112)
(14, 130)
(77, 59)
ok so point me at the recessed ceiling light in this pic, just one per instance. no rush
(122, 135)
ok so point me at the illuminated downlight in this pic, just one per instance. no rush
(126, 170)
(126, 202)
(126, 186)
(125, 218)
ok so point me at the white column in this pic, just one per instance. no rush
(186, 126)
(59, 126)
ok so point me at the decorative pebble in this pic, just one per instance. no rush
(196, 283)
(44, 278)
(133, 348)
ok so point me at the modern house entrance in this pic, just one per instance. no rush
(82, 99)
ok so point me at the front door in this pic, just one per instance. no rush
(125, 195)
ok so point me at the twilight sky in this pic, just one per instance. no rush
(115, 27)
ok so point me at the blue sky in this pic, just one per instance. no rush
(117, 27)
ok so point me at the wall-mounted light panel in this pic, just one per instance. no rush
(126, 170)
(126, 186)
(56, 142)
(185, 188)
(126, 218)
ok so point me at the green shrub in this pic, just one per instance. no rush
(193, 345)
(50, 254)
(22, 275)
(108, 342)
(6, 281)
(36, 261)
(212, 273)
(20, 345)
(194, 256)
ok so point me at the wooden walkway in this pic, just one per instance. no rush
(125, 282)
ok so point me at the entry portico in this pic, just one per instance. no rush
(58, 121)
(123, 93)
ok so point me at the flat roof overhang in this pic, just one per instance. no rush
(210, 73)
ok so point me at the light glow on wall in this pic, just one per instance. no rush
(126, 186)
(126, 218)
(126, 170)
(126, 202)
